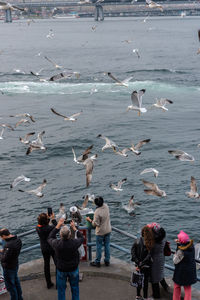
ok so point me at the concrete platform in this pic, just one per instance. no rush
(103, 283)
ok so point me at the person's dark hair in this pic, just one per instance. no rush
(98, 201)
(159, 235)
(148, 236)
(43, 219)
(4, 231)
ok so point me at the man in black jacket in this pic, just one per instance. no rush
(9, 261)
(67, 258)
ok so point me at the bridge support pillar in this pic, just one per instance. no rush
(8, 16)
(98, 15)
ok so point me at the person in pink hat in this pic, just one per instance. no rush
(185, 266)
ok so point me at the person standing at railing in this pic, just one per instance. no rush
(43, 229)
(103, 230)
(185, 266)
(141, 255)
(9, 261)
(67, 258)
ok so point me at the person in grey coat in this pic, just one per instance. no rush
(157, 254)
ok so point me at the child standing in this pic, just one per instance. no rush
(185, 267)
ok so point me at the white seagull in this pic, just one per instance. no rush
(153, 189)
(136, 51)
(38, 191)
(18, 180)
(22, 121)
(70, 118)
(193, 189)
(135, 149)
(130, 207)
(26, 115)
(25, 140)
(161, 103)
(148, 170)
(109, 143)
(6, 5)
(136, 98)
(120, 82)
(152, 4)
(50, 35)
(117, 187)
(1, 135)
(53, 63)
(121, 152)
(83, 157)
(181, 155)
(36, 144)
(7, 126)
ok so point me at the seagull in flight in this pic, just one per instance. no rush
(38, 191)
(152, 4)
(50, 35)
(135, 149)
(83, 157)
(119, 82)
(6, 5)
(70, 118)
(36, 144)
(117, 187)
(121, 152)
(18, 180)
(136, 51)
(193, 189)
(25, 140)
(26, 115)
(136, 98)
(53, 63)
(1, 134)
(7, 126)
(22, 121)
(153, 189)
(36, 73)
(130, 207)
(161, 103)
(109, 143)
(89, 165)
(181, 155)
(149, 170)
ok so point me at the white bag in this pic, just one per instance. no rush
(81, 249)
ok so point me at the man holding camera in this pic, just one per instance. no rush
(9, 261)
(67, 258)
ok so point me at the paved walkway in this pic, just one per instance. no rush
(105, 283)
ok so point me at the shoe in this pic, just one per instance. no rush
(50, 285)
(95, 264)
(139, 298)
(107, 263)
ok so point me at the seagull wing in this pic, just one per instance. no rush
(28, 134)
(140, 94)
(150, 185)
(148, 1)
(51, 61)
(127, 80)
(85, 202)
(76, 114)
(141, 143)
(125, 150)
(134, 98)
(57, 77)
(2, 131)
(87, 152)
(148, 170)
(21, 121)
(8, 126)
(121, 182)
(131, 200)
(19, 8)
(39, 137)
(17, 181)
(31, 117)
(193, 185)
(58, 114)
(40, 188)
(151, 192)
(114, 78)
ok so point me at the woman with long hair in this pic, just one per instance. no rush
(141, 255)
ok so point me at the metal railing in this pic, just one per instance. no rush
(91, 244)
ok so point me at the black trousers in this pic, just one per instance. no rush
(47, 256)
(156, 290)
(146, 272)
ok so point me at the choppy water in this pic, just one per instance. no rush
(168, 67)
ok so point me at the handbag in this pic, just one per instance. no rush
(167, 249)
(137, 279)
(81, 249)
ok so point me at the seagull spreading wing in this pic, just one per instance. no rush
(18, 180)
(136, 51)
(121, 152)
(25, 140)
(70, 118)
(109, 143)
(36, 144)
(130, 207)
(149, 170)
(36, 73)
(26, 115)
(161, 103)
(22, 121)
(89, 165)
(152, 4)
(119, 82)
(135, 149)
(181, 155)
(53, 63)
(153, 189)
(193, 189)
(5, 6)
(117, 187)
(7, 126)
(83, 157)
(38, 191)
(1, 134)
(136, 98)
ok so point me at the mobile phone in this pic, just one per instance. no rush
(49, 211)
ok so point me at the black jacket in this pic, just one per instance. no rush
(185, 270)
(140, 255)
(11, 250)
(43, 232)
(66, 251)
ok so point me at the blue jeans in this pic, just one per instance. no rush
(13, 284)
(100, 241)
(62, 284)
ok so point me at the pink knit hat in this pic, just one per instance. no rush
(183, 237)
(155, 226)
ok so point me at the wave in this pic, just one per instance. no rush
(29, 87)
